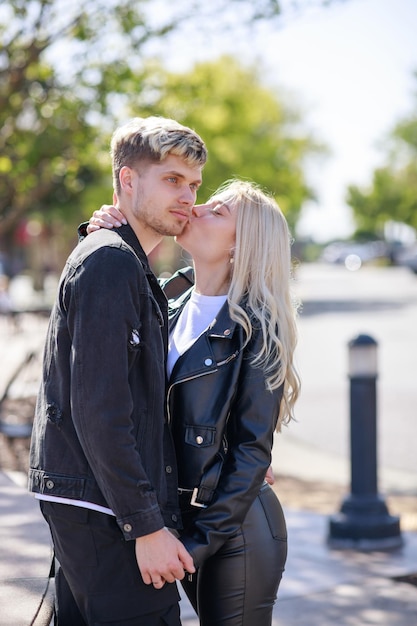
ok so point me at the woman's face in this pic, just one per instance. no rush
(211, 231)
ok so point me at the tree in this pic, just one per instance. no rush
(63, 66)
(49, 144)
(250, 130)
(392, 194)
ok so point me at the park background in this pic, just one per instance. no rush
(315, 100)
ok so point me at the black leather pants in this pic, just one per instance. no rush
(238, 585)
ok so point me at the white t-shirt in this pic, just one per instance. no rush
(195, 318)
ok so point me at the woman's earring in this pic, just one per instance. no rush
(232, 258)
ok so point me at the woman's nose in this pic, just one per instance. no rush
(199, 210)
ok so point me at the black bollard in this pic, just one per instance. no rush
(364, 522)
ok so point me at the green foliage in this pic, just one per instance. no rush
(48, 149)
(249, 130)
(69, 70)
(392, 194)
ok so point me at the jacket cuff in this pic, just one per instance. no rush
(141, 524)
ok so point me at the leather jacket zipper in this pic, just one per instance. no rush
(229, 358)
(183, 380)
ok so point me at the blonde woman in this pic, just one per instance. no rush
(231, 384)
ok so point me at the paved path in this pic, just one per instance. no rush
(321, 586)
(339, 305)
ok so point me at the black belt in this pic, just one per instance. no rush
(190, 496)
(202, 495)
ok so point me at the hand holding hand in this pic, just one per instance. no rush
(162, 558)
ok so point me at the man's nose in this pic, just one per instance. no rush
(188, 196)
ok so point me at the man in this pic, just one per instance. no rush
(101, 458)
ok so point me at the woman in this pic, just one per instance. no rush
(232, 382)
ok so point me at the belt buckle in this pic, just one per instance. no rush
(194, 502)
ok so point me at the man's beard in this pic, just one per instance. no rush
(150, 221)
(160, 227)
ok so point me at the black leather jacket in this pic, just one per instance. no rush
(100, 422)
(223, 422)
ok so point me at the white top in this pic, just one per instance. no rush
(196, 316)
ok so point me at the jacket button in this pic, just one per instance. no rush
(227, 331)
(174, 518)
(208, 362)
(50, 484)
(127, 528)
(199, 439)
(168, 469)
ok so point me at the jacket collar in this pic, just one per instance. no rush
(200, 357)
(222, 325)
(128, 235)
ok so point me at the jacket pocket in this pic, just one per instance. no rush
(273, 513)
(56, 484)
(200, 436)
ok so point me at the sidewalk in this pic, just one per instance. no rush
(321, 587)
(25, 558)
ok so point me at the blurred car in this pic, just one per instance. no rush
(407, 256)
(353, 254)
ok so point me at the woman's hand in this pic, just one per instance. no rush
(269, 476)
(107, 216)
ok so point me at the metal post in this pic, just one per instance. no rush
(364, 522)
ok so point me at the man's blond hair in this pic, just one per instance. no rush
(150, 140)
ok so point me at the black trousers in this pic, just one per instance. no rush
(98, 570)
(238, 585)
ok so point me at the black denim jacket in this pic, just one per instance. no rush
(100, 432)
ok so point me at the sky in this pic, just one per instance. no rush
(350, 67)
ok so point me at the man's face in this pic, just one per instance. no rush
(163, 195)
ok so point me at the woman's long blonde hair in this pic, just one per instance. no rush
(261, 277)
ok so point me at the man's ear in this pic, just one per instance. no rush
(125, 178)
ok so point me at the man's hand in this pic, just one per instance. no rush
(162, 558)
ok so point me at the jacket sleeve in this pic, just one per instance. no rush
(103, 298)
(251, 428)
